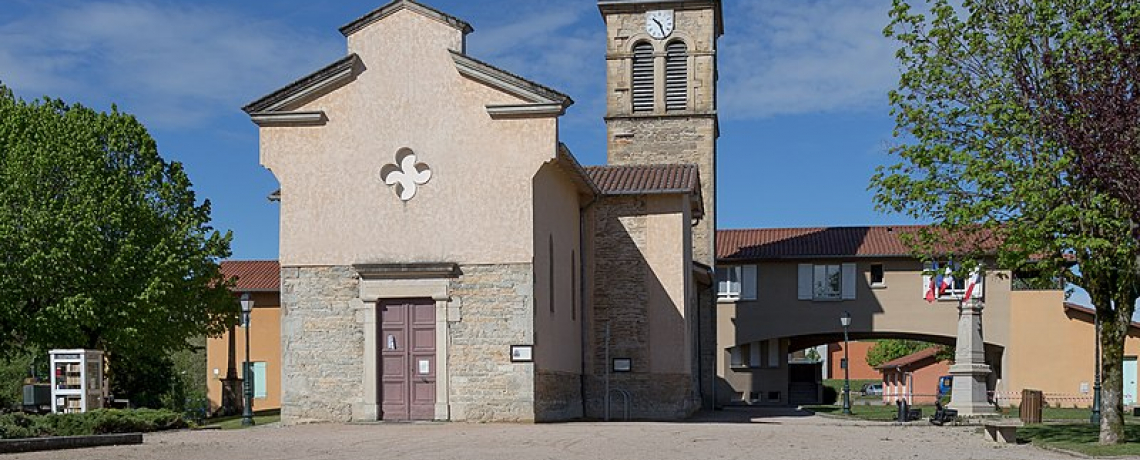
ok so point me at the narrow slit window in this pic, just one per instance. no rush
(550, 272)
(573, 286)
(643, 77)
(677, 76)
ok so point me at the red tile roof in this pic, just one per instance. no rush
(776, 243)
(910, 359)
(645, 179)
(254, 275)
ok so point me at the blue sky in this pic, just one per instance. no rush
(804, 117)
(803, 84)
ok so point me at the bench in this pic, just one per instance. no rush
(1002, 430)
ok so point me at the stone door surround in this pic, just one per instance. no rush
(403, 281)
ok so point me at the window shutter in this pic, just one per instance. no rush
(643, 78)
(754, 348)
(748, 282)
(805, 282)
(849, 282)
(773, 352)
(260, 390)
(676, 76)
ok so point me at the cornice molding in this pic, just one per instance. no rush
(265, 119)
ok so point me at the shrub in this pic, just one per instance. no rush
(103, 421)
(830, 395)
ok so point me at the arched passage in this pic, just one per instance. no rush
(760, 372)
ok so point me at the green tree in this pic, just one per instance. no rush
(988, 151)
(890, 349)
(103, 244)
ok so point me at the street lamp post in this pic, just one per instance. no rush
(247, 377)
(1095, 418)
(845, 320)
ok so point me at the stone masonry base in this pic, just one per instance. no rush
(652, 396)
(558, 396)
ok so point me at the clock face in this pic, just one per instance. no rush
(659, 23)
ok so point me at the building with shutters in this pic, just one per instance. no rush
(784, 290)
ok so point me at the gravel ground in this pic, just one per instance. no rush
(732, 434)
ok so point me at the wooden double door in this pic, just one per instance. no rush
(407, 359)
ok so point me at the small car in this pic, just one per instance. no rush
(872, 389)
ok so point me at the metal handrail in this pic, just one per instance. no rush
(625, 398)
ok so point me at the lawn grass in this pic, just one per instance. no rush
(1081, 438)
(856, 384)
(857, 398)
(875, 413)
(233, 422)
(1060, 414)
(1067, 435)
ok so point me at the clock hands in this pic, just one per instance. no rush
(660, 26)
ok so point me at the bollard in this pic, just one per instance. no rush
(904, 411)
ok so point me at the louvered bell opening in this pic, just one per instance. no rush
(676, 77)
(643, 78)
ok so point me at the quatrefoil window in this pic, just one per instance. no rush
(406, 174)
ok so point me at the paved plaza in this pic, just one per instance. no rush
(733, 434)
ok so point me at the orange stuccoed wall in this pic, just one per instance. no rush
(860, 370)
(265, 346)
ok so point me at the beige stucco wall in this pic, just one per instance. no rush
(477, 207)
(1053, 351)
(898, 307)
(752, 385)
(639, 289)
(265, 345)
(896, 310)
(557, 328)
(669, 284)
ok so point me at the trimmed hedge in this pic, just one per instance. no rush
(102, 421)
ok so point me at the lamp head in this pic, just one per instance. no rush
(246, 303)
(845, 320)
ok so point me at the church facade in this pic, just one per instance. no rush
(444, 256)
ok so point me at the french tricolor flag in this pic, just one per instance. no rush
(935, 281)
(972, 283)
(939, 282)
(946, 281)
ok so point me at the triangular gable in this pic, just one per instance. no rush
(271, 109)
(400, 5)
(540, 100)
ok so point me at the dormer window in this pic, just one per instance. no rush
(643, 79)
(676, 76)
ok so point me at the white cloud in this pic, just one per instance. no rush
(176, 64)
(790, 57)
(555, 43)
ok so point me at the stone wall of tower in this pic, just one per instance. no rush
(672, 136)
(671, 140)
(661, 136)
(631, 320)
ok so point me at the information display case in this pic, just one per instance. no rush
(76, 380)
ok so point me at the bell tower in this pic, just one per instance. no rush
(661, 75)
